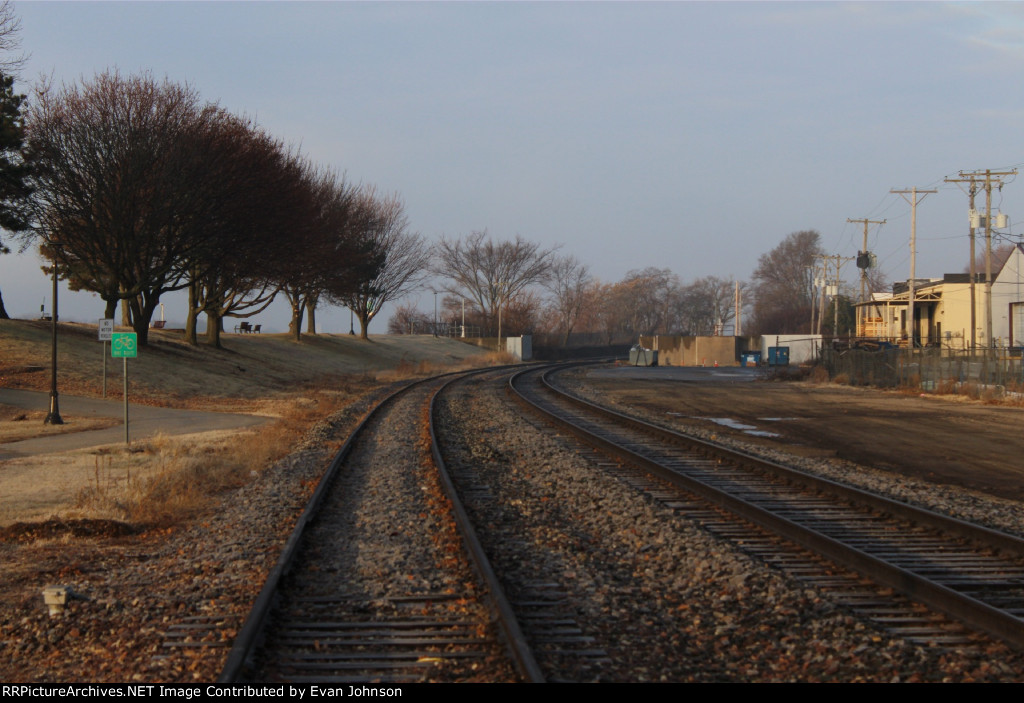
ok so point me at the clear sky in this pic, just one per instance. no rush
(691, 136)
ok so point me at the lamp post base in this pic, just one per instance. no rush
(53, 417)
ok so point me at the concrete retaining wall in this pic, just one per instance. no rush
(699, 351)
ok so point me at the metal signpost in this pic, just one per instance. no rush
(106, 331)
(124, 345)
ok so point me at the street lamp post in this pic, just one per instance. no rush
(53, 417)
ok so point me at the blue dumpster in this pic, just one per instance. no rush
(778, 356)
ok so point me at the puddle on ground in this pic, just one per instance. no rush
(777, 419)
(736, 425)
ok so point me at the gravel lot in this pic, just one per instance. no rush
(957, 457)
(663, 599)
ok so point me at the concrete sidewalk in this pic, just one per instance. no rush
(143, 421)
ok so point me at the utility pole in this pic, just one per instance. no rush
(815, 280)
(838, 261)
(864, 270)
(913, 192)
(835, 296)
(971, 192)
(989, 176)
(736, 314)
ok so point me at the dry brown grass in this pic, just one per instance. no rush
(408, 369)
(1011, 395)
(948, 386)
(17, 424)
(171, 373)
(489, 359)
(166, 480)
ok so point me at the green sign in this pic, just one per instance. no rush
(124, 345)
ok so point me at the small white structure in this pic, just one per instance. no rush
(803, 348)
(520, 347)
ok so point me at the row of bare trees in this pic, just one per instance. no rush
(517, 286)
(141, 189)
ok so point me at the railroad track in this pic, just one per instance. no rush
(970, 573)
(374, 584)
(542, 601)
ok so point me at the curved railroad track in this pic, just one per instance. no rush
(374, 584)
(970, 573)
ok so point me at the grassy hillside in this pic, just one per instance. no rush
(294, 384)
(250, 366)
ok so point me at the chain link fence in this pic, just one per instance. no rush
(939, 370)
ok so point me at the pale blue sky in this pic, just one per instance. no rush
(692, 136)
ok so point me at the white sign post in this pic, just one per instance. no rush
(106, 330)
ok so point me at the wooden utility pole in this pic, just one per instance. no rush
(824, 289)
(989, 177)
(864, 271)
(971, 192)
(814, 293)
(739, 305)
(913, 192)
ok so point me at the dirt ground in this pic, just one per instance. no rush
(942, 439)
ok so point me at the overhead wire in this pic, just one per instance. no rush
(883, 207)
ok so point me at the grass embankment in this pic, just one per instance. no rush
(165, 479)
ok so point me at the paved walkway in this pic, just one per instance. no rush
(143, 421)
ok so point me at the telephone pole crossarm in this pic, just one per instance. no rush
(864, 271)
(913, 200)
(987, 178)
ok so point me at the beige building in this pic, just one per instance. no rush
(942, 310)
(699, 351)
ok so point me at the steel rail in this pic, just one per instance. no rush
(972, 611)
(252, 633)
(509, 623)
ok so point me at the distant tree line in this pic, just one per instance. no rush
(516, 287)
(530, 289)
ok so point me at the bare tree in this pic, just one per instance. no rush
(256, 223)
(403, 256)
(706, 306)
(122, 176)
(331, 259)
(878, 281)
(1000, 253)
(521, 313)
(10, 41)
(784, 285)
(646, 298)
(408, 319)
(607, 310)
(491, 273)
(568, 282)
